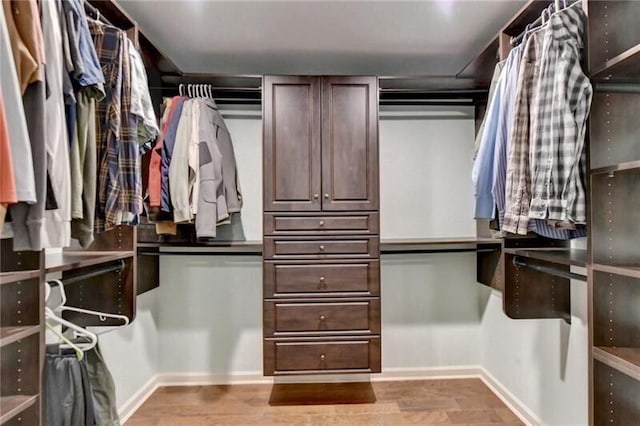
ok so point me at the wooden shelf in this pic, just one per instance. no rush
(9, 335)
(435, 245)
(74, 260)
(218, 247)
(620, 167)
(626, 270)
(561, 256)
(624, 360)
(12, 405)
(12, 277)
(624, 67)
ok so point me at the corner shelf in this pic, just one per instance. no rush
(13, 405)
(625, 67)
(67, 261)
(624, 360)
(9, 335)
(12, 277)
(625, 270)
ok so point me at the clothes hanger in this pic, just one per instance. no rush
(189, 91)
(78, 331)
(210, 92)
(79, 352)
(62, 307)
(181, 89)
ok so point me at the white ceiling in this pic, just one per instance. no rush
(428, 37)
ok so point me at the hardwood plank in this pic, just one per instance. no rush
(249, 404)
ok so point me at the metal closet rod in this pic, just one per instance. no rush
(116, 267)
(517, 261)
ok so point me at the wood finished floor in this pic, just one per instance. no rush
(424, 402)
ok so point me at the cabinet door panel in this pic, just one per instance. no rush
(349, 143)
(291, 120)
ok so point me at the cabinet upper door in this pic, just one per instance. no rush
(349, 143)
(291, 117)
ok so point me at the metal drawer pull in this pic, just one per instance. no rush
(321, 279)
(316, 196)
(321, 223)
(322, 357)
(321, 247)
(326, 196)
(322, 318)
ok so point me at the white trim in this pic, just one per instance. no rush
(202, 379)
(137, 399)
(510, 400)
(389, 374)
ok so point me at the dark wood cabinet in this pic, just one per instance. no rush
(292, 144)
(321, 225)
(349, 143)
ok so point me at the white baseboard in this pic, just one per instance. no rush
(129, 407)
(389, 374)
(510, 400)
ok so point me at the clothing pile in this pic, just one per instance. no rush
(192, 172)
(75, 118)
(530, 169)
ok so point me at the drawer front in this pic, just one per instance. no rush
(335, 224)
(358, 279)
(367, 247)
(290, 357)
(322, 318)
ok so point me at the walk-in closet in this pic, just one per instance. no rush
(319, 212)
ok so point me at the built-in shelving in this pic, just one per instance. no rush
(623, 67)
(627, 271)
(561, 256)
(12, 277)
(66, 261)
(625, 360)
(12, 405)
(620, 167)
(10, 335)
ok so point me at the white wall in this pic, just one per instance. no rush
(131, 353)
(209, 319)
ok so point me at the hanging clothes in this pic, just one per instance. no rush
(141, 105)
(57, 222)
(8, 194)
(22, 21)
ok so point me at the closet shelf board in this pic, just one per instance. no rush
(10, 335)
(454, 243)
(12, 277)
(67, 261)
(623, 67)
(626, 270)
(12, 405)
(625, 360)
(574, 257)
(620, 167)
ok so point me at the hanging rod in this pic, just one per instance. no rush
(92, 10)
(116, 267)
(555, 5)
(517, 261)
(619, 87)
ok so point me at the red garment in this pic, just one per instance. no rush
(155, 163)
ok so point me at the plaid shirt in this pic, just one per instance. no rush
(119, 187)
(558, 157)
(518, 181)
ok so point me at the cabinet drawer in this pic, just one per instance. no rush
(367, 247)
(276, 224)
(295, 357)
(322, 279)
(360, 317)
